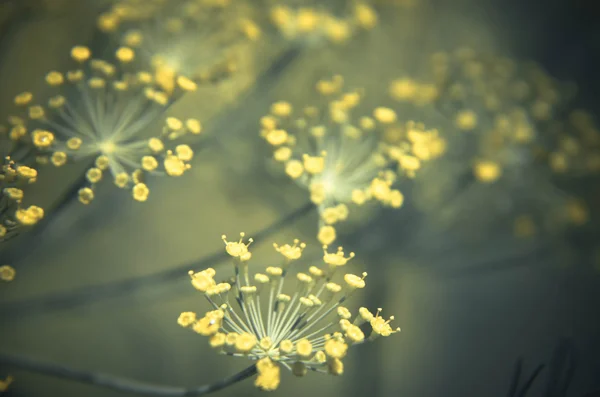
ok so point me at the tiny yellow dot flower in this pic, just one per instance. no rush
(245, 342)
(268, 375)
(291, 252)
(7, 273)
(327, 235)
(238, 249)
(337, 258)
(354, 281)
(140, 192)
(186, 319)
(487, 171)
(336, 348)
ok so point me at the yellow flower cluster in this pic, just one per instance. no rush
(335, 151)
(313, 23)
(107, 120)
(196, 38)
(308, 329)
(505, 113)
(13, 215)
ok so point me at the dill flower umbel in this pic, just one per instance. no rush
(334, 150)
(309, 329)
(199, 39)
(102, 112)
(316, 21)
(504, 141)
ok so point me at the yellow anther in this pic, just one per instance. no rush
(80, 53)
(385, 115)
(86, 195)
(294, 169)
(217, 340)
(238, 249)
(7, 273)
(55, 78)
(42, 139)
(94, 175)
(74, 143)
(210, 323)
(122, 179)
(327, 235)
(186, 84)
(276, 137)
(355, 282)
(344, 313)
(140, 192)
(291, 252)
(487, 171)
(125, 54)
(268, 375)
(193, 126)
(23, 99)
(304, 348)
(156, 145)
(365, 16)
(314, 164)
(274, 271)
(102, 162)
(336, 258)
(184, 152)
(174, 166)
(381, 326)
(203, 280)
(403, 89)
(186, 319)
(245, 342)
(281, 109)
(286, 346)
(282, 154)
(335, 366)
(336, 348)
(466, 120)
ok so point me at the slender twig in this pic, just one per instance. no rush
(89, 294)
(530, 381)
(514, 383)
(116, 383)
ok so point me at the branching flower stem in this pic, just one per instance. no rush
(116, 383)
(93, 293)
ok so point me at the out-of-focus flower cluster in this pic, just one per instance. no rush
(305, 329)
(317, 22)
(509, 145)
(334, 149)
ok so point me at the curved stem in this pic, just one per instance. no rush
(116, 383)
(89, 294)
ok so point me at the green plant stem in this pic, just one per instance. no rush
(93, 293)
(116, 383)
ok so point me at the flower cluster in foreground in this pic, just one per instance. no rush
(309, 329)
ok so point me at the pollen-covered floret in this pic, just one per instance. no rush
(103, 111)
(307, 329)
(334, 150)
(14, 180)
(315, 22)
